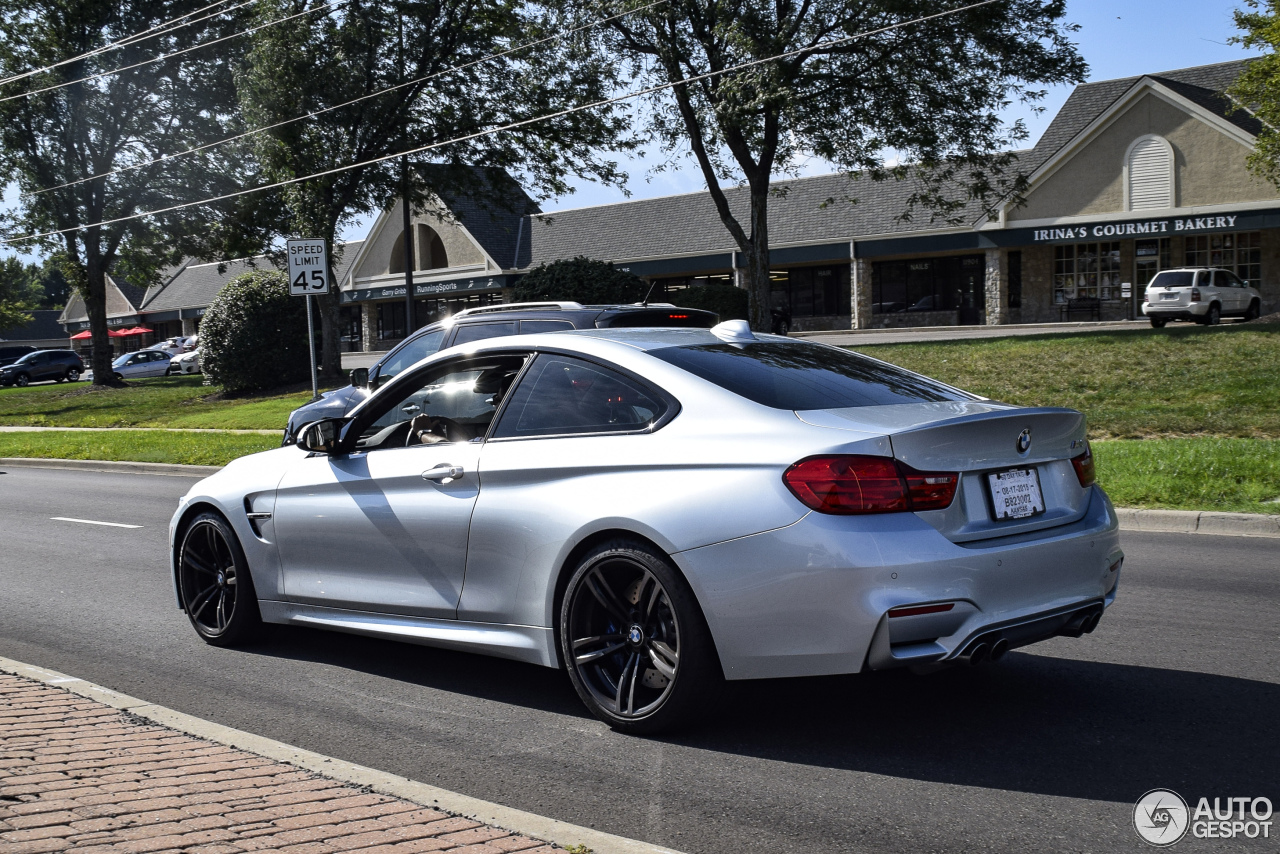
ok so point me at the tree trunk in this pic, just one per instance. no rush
(758, 284)
(95, 303)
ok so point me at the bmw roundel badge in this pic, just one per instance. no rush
(1024, 441)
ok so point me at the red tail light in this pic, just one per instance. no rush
(851, 484)
(677, 317)
(1195, 295)
(1084, 467)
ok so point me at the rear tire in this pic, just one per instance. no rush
(215, 583)
(1214, 317)
(73, 375)
(634, 641)
(1158, 322)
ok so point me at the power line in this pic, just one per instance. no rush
(512, 126)
(101, 74)
(423, 79)
(159, 29)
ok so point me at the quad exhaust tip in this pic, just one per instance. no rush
(998, 649)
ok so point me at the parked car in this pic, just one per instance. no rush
(140, 364)
(11, 353)
(660, 509)
(43, 366)
(477, 324)
(1203, 294)
(172, 346)
(185, 363)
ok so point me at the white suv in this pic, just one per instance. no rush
(1203, 294)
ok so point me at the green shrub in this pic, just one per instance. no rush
(580, 279)
(725, 300)
(254, 335)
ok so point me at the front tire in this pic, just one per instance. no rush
(634, 641)
(215, 583)
(22, 380)
(1254, 312)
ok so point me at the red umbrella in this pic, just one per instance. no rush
(81, 336)
(137, 330)
(118, 333)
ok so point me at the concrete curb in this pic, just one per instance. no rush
(525, 823)
(113, 466)
(1131, 519)
(1199, 522)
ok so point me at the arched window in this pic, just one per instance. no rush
(431, 254)
(1148, 168)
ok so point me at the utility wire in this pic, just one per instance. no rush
(159, 29)
(280, 124)
(31, 92)
(512, 126)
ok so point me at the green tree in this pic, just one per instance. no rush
(1258, 86)
(59, 145)
(18, 293)
(366, 47)
(254, 334)
(580, 279)
(928, 94)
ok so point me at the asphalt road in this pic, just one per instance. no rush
(1048, 750)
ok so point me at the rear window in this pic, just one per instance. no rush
(805, 376)
(1173, 279)
(679, 317)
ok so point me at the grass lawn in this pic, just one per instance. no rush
(158, 402)
(1237, 475)
(201, 449)
(1179, 381)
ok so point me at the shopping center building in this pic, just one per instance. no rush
(1132, 176)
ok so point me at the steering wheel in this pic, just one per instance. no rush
(446, 429)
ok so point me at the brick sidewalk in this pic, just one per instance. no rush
(78, 775)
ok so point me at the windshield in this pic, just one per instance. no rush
(27, 359)
(122, 361)
(1173, 279)
(805, 376)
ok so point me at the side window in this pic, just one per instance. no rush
(455, 403)
(1202, 279)
(411, 353)
(1233, 281)
(563, 396)
(533, 327)
(480, 331)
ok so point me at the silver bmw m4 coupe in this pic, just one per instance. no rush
(656, 510)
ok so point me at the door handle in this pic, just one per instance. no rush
(412, 407)
(444, 473)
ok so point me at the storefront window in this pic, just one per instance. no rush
(390, 320)
(928, 284)
(668, 288)
(1015, 279)
(1086, 270)
(812, 291)
(430, 310)
(350, 329)
(1240, 253)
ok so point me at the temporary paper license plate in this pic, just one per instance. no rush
(1015, 494)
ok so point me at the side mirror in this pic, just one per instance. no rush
(360, 377)
(321, 437)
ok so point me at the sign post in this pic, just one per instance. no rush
(309, 275)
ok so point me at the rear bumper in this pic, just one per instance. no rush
(813, 598)
(1182, 312)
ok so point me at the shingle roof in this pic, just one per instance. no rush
(688, 223)
(489, 203)
(1202, 85)
(44, 324)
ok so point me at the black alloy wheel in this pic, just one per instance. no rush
(637, 649)
(73, 375)
(214, 580)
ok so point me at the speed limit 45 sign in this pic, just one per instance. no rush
(308, 267)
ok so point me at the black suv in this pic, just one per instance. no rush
(57, 365)
(476, 324)
(13, 352)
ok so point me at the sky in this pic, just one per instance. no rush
(1117, 38)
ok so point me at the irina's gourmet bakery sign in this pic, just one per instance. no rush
(1146, 228)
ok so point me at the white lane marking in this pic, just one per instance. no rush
(92, 522)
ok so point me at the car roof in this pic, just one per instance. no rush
(639, 337)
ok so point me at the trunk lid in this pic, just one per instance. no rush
(980, 439)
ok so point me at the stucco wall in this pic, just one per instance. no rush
(1209, 166)
(460, 248)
